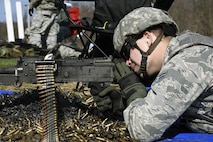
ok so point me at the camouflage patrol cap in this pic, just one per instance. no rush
(139, 20)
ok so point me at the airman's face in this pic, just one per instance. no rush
(134, 59)
(135, 56)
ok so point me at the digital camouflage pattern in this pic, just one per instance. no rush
(137, 21)
(184, 84)
(66, 52)
(45, 4)
(44, 23)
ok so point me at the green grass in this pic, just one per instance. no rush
(7, 62)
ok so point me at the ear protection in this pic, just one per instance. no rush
(147, 40)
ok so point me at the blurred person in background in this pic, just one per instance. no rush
(44, 26)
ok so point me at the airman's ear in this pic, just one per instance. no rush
(147, 36)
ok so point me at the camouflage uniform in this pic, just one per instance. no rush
(66, 52)
(44, 23)
(182, 89)
(185, 83)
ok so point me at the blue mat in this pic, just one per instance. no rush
(148, 88)
(190, 137)
(6, 92)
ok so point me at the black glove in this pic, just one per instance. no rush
(129, 82)
(107, 98)
(31, 11)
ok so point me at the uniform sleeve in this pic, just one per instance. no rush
(181, 80)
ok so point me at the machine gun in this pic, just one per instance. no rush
(69, 70)
(48, 72)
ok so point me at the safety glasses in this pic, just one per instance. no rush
(129, 43)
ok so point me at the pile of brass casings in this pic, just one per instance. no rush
(77, 119)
